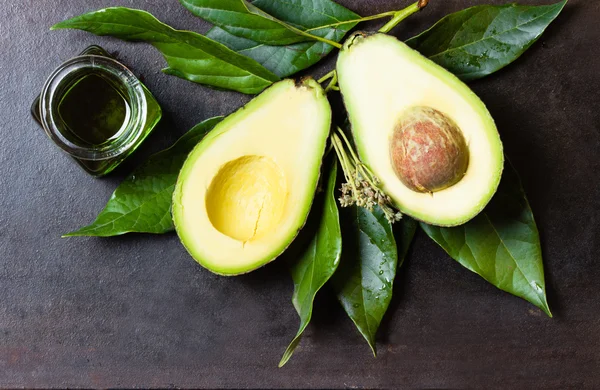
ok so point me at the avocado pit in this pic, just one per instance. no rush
(428, 150)
(246, 198)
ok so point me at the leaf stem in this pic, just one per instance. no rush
(315, 37)
(399, 16)
(364, 19)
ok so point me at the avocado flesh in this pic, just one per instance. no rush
(380, 78)
(246, 189)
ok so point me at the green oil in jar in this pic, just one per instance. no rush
(90, 108)
(93, 110)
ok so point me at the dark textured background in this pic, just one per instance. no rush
(138, 311)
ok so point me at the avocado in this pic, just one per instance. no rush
(427, 137)
(246, 189)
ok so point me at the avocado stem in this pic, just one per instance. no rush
(333, 83)
(332, 86)
(399, 16)
(421, 4)
(327, 77)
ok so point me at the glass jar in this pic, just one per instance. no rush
(96, 110)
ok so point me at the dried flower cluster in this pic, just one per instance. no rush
(361, 187)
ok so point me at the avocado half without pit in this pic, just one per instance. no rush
(426, 136)
(246, 189)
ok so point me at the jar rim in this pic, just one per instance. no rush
(50, 97)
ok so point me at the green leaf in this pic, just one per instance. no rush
(365, 277)
(318, 260)
(188, 54)
(283, 61)
(478, 41)
(313, 15)
(243, 19)
(501, 244)
(142, 202)
(404, 230)
(323, 18)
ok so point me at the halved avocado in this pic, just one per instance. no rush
(426, 136)
(246, 189)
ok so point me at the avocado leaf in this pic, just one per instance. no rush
(364, 280)
(501, 244)
(142, 202)
(323, 18)
(404, 231)
(480, 40)
(189, 55)
(318, 260)
(245, 20)
(313, 15)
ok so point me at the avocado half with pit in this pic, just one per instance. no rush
(427, 137)
(246, 189)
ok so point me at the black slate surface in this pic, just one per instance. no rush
(137, 310)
